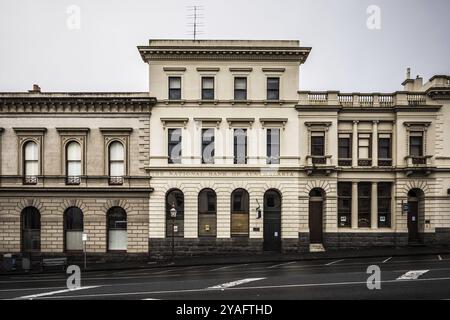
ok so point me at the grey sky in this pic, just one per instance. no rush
(36, 46)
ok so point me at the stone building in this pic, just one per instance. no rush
(228, 157)
(74, 163)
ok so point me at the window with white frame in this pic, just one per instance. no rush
(273, 146)
(73, 161)
(31, 162)
(116, 162)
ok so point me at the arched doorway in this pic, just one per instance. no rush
(316, 198)
(31, 229)
(272, 220)
(415, 210)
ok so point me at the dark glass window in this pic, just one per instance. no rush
(384, 204)
(345, 146)
(364, 204)
(416, 144)
(207, 213)
(344, 204)
(174, 146)
(74, 219)
(73, 227)
(317, 144)
(240, 88)
(273, 146)
(273, 88)
(174, 88)
(175, 199)
(208, 88)
(240, 146)
(31, 229)
(208, 146)
(384, 146)
(240, 213)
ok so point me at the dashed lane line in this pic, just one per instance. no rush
(51, 293)
(227, 267)
(281, 265)
(234, 283)
(334, 262)
(386, 260)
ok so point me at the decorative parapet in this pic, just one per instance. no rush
(364, 100)
(76, 103)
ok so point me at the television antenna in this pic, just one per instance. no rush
(195, 20)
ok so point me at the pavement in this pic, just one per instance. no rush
(416, 276)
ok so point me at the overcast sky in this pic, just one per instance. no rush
(40, 42)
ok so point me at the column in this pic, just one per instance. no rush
(354, 205)
(375, 144)
(355, 144)
(374, 206)
(394, 143)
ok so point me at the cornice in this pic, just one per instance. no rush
(152, 53)
(55, 103)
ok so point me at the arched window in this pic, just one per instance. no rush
(175, 200)
(117, 229)
(73, 228)
(73, 162)
(240, 213)
(31, 229)
(31, 162)
(207, 213)
(116, 162)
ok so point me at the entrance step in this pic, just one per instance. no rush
(316, 247)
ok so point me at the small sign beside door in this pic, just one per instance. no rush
(275, 234)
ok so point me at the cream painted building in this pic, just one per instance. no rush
(228, 157)
(326, 170)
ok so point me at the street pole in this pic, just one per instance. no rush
(173, 239)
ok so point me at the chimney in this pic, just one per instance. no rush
(408, 84)
(408, 73)
(418, 83)
(36, 89)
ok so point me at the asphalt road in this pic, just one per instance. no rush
(413, 277)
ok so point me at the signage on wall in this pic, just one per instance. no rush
(84, 237)
(405, 207)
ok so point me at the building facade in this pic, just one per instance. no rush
(228, 157)
(74, 163)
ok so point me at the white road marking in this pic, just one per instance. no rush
(33, 296)
(333, 262)
(412, 275)
(243, 288)
(439, 257)
(151, 299)
(281, 264)
(227, 267)
(235, 283)
(387, 260)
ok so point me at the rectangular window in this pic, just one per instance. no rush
(345, 146)
(384, 146)
(273, 88)
(208, 146)
(416, 144)
(273, 146)
(364, 204)
(345, 149)
(317, 143)
(344, 204)
(240, 146)
(384, 150)
(208, 88)
(364, 145)
(384, 204)
(174, 146)
(240, 88)
(174, 88)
